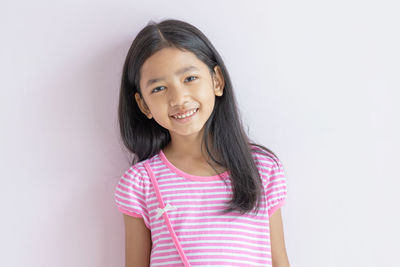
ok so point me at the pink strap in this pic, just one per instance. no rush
(165, 215)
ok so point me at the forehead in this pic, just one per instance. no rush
(167, 61)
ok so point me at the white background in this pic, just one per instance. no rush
(317, 82)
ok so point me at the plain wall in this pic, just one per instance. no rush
(317, 82)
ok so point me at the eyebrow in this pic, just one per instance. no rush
(180, 71)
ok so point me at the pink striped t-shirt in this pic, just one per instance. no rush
(206, 236)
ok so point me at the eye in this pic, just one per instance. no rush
(155, 89)
(191, 77)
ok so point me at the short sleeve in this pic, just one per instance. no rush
(130, 195)
(276, 188)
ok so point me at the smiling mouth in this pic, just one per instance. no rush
(186, 115)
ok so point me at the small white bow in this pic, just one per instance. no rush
(167, 208)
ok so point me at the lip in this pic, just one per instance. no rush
(184, 120)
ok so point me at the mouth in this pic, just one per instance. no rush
(186, 117)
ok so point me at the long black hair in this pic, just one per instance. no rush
(145, 138)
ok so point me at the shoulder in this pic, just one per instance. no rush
(264, 157)
(267, 162)
(273, 176)
(138, 172)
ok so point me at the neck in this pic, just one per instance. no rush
(188, 147)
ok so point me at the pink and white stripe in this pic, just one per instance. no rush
(207, 237)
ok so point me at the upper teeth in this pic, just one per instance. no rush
(185, 115)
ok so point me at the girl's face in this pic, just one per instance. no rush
(176, 82)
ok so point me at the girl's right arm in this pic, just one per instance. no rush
(137, 242)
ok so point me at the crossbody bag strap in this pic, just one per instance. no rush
(162, 210)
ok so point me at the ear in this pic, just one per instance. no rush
(219, 81)
(142, 106)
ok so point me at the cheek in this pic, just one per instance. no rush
(205, 91)
(207, 94)
(159, 110)
(207, 103)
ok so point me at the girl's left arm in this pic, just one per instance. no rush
(278, 249)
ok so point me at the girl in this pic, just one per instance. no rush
(198, 193)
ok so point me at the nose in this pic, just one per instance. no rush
(177, 95)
